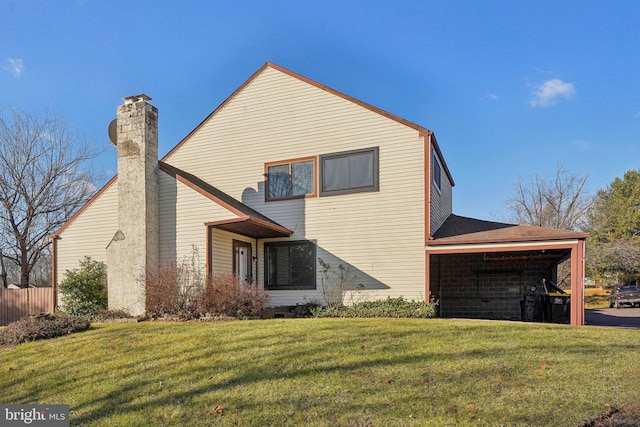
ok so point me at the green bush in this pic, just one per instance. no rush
(41, 327)
(84, 289)
(391, 307)
(306, 310)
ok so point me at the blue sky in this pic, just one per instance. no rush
(510, 88)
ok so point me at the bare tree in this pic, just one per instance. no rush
(45, 176)
(560, 202)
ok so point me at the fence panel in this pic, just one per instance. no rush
(18, 303)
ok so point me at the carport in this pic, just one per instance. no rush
(480, 269)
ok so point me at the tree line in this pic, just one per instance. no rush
(611, 217)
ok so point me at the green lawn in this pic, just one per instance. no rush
(328, 372)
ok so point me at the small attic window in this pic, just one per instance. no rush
(437, 172)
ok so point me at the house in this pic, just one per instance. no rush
(287, 178)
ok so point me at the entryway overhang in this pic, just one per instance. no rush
(241, 220)
(251, 227)
(500, 242)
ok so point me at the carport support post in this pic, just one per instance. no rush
(577, 283)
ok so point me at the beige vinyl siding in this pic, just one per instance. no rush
(378, 235)
(183, 213)
(222, 251)
(89, 233)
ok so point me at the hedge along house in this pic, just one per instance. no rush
(289, 181)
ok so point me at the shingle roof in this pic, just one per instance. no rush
(460, 230)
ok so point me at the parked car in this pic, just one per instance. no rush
(625, 295)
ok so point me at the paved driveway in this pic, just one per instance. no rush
(622, 317)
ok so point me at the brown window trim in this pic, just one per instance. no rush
(236, 244)
(314, 159)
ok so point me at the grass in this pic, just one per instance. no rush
(328, 372)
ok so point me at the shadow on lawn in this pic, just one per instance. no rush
(365, 359)
(194, 366)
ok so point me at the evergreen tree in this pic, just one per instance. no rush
(614, 228)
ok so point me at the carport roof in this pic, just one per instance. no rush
(462, 230)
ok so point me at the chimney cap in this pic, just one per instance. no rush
(136, 98)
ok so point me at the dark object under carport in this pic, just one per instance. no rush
(556, 305)
(545, 302)
(530, 306)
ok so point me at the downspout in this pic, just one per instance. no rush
(54, 271)
(427, 216)
(427, 176)
(209, 258)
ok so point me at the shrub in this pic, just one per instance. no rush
(336, 280)
(109, 315)
(41, 327)
(84, 289)
(175, 291)
(391, 307)
(226, 296)
(306, 310)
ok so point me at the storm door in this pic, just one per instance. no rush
(242, 261)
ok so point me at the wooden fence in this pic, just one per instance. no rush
(18, 303)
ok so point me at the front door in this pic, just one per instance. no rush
(242, 261)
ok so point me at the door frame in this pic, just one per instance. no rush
(237, 245)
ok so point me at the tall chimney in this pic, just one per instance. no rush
(134, 250)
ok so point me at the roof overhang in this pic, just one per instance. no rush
(251, 227)
(540, 245)
(461, 234)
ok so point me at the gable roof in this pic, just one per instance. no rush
(422, 130)
(229, 201)
(462, 230)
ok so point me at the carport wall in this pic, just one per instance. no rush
(469, 286)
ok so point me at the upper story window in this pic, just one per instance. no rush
(290, 179)
(437, 172)
(349, 172)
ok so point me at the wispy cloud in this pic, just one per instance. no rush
(493, 96)
(582, 145)
(550, 92)
(13, 65)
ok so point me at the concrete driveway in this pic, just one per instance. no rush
(622, 317)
